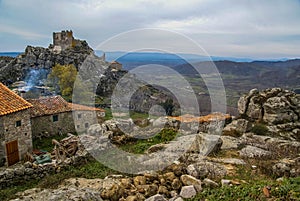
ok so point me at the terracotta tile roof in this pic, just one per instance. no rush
(54, 105)
(208, 118)
(78, 107)
(11, 102)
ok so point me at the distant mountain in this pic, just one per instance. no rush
(131, 60)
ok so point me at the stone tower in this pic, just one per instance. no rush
(63, 40)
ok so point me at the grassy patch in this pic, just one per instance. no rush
(46, 143)
(287, 190)
(141, 145)
(93, 169)
(138, 115)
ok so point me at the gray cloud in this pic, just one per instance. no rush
(259, 29)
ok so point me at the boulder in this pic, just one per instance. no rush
(188, 192)
(254, 152)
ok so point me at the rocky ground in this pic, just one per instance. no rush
(265, 140)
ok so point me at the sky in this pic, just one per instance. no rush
(236, 28)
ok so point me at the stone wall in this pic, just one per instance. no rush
(9, 177)
(68, 122)
(10, 132)
(44, 126)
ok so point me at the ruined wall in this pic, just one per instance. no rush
(9, 131)
(44, 126)
(28, 171)
(84, 119)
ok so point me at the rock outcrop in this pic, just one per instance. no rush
(274, 106)
(42, 58)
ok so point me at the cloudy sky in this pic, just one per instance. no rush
(237, 28)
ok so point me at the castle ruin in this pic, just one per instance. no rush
(63, 39)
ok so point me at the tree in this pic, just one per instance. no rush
(64, 78)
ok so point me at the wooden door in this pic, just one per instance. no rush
(12, 152)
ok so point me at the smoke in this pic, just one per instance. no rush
(35, 77)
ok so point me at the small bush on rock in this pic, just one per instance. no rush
(259, 129)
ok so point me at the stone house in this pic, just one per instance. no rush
(53, 115)
(15, 127)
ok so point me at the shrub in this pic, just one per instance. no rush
(259, 129)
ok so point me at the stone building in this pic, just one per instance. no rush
(53, 115)
(15, 128)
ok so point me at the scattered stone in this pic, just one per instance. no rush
(188, 191)
(156, 197)
(192, 170)
(188, 180)
(210, 183)
(139, 180)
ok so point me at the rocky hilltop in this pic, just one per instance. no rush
(15, 69)
(68, 50)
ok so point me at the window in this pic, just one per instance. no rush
(18, 123)
(78, 126)
(86, 125)
(55, 118)
(79, 116)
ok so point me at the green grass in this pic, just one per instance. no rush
(108, 114)
(289, 189)
(138, 115)
(251, 188)
(93, 169)
(46, 143)
(141, 145)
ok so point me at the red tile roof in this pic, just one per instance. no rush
(10, 102)
(208, 118)
(78, 107)
(56, 104)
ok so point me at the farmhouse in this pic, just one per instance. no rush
(15, 128)
(53, 115)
